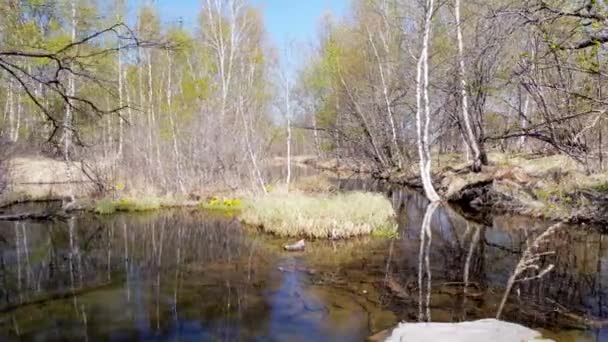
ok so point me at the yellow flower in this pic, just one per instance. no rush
(120, 186)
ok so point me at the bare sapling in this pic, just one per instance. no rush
(528, 268)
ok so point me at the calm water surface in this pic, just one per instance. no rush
(186, 274)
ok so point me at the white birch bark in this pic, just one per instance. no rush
(248, 129)
(252, 157)
(120, 101)
(422, 100)
(67, 125)
(176, 151)
(67, 120)
(387, 102)
(10, 110)
(225, 51)
(315, 133)
(471, 139)
(288, 117)
(19, 110)
(524, 121)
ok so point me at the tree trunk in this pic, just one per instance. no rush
(524, 122)
(10, 110)
(387, 102)
(288, 117)
(120, 102)
(316, 135)
(471, 139)
(422, 83)
(67, 120)
(178, 169)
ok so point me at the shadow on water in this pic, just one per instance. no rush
(188, 274)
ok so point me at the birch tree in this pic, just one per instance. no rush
(67, 119)
(423, 111)
(469, 136)
(286, 107)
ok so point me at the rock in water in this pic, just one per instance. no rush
(296, 247)
(475, 331)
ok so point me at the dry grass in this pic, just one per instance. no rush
(554, 187)
(320, 183)
(39, 178)
(321, 216)
(108, 206)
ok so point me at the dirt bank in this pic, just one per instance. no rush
(39, 178)
(551, 187)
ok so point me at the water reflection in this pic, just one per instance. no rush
(424, 263)
(471, 262)
(186, 274)
(173, 275)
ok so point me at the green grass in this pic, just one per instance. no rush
(322, 216)
(105, 206)
(108, 206)
(223, 205)
(602, 187)
(388, 232)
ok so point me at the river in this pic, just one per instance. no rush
(190, 274)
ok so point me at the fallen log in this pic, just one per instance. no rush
(32, 216)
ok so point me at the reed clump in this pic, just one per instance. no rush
(339, 215)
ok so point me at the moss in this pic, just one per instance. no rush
(321, 216)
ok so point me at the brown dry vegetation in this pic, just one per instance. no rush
(321, 216)
(554, 187)
(39, 178)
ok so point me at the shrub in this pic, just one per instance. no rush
(321, 216)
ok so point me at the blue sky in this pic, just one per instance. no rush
(286, 20)
(296, 19)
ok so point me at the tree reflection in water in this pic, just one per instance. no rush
(180, 274)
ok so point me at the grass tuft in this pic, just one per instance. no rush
(108, 206)
(389, 232)
(105, 206)
(601, 187)
(322, 216)
(223, 205)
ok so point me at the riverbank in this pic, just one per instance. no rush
(547, 187)
(308, 208)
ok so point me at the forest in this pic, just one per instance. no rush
(413, 161)
(152, 103)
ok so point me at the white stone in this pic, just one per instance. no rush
(482, 330)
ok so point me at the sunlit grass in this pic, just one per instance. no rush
(322, 216)
(108, 206)
(223, 205)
